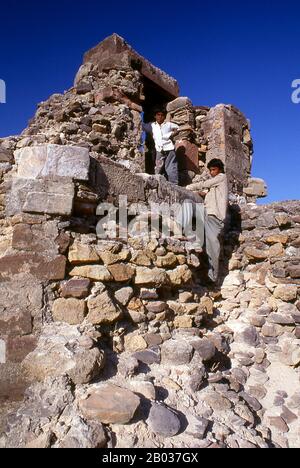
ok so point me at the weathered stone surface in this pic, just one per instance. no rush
(71, 311)
(53, 161)
(183, 321)
(102, 310)
(290, 355)
(148, 357)
(110, 404)
(225, 126)
(82, 253)
(163, 421)
(26, 297)
(43, 268)
(278, 424)
(168, 261)
(286, 292)
(175, 352)
(142, 258)
(156, 307)
(294, 271)
(88, 364)
(75, 288)
(134, 343)
(18, 347)
(180, 276)
(256, 188)
(49, 196)
(146, 389)
(59, 343)
(109, 258)
(217, 402)
(179, 103)
(84, 435)
(121, 272)
(39, 238)
(147, 276)
(93, 272)
(149, 294)
(277, 239)
(205, 348)
(256, 254)
(248, 335)
(124, 295)
(270, 330)
(6, 156)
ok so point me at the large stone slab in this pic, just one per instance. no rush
(53, 161)
(110, 404)
(39, 238)
(43, 267)
(53, 197)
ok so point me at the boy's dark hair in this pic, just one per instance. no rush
(158, 110)
(216, 163)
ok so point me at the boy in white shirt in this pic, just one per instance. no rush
(166, 158)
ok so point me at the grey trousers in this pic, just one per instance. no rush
(167, 164)
(213, 230)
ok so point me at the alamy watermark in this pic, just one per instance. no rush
(296, 92)
(2, 352)
(2, 92)
(156, 220)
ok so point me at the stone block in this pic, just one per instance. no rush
(110, 405)
(188, 156)
(256, 188)
(179, 103)
(53, 197)
(48, 161)
(71, 311)
(75, 288)
(43, 267)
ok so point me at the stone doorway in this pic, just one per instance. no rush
(155, 96)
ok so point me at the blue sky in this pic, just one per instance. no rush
(234, 52)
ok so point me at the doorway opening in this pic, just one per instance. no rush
(154, 97)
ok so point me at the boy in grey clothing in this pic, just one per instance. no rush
(215, 192)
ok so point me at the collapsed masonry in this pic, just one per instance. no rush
(195, 366)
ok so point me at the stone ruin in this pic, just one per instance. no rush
(120, 343)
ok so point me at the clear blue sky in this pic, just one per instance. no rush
(234, 52)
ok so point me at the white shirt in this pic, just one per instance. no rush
(162, 135)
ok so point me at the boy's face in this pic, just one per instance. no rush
(215, 171)
(160, 118)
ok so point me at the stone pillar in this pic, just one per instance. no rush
(181, 112)
(228, 134)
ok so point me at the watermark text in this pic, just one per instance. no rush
(2, 92)
(296, 92)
